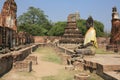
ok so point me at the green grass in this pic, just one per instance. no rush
(69, 75)
(50, 55)
(62, 75)
(94, 76)
(27, 74)
(44, 50)
(103, 51)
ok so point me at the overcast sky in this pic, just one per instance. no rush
(58, 10)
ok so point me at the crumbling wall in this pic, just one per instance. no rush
(6, 62)
(45, 39)
(22, 54)
(23, 66)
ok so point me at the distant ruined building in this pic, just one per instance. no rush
(8, 15)
(72, 33)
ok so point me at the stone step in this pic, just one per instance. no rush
(111, 75)
(104, 65)
(102, 68)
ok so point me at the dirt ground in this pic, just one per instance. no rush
(43, 68)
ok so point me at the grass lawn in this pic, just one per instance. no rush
(49, 54)
(62, 75)
(69, 75)
(103, 51)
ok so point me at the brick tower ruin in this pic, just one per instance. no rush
(8, 15)
(115, 31)
(8, 24)
(72, 34)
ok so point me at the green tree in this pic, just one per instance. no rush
(81, 24)
(57, 29)
(34, 21)
(99, 27)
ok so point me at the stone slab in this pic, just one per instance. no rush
(112, 75)
(105, 65)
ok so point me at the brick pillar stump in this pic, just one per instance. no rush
(81, 76)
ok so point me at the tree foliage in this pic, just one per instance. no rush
(81, 24)
(34, 21)
(99, 27)
(57, 29)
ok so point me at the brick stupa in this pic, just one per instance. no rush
(72, 34)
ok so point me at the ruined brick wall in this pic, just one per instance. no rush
(39, 39)
(22, 66)
(45, 39)
(22, 54)
(103, 41)
(6, 62)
